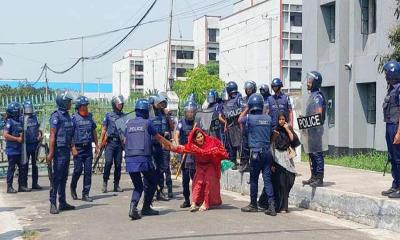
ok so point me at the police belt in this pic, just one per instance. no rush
(113, 139)
(261, 150)
(83, 145)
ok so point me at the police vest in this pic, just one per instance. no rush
(32, 129)
(65, 131)
(391, 105)
(232, 110)
(83, 129)
(138, 140)
(185, 130)
(277, 105)
(112, 130)
(160, 124)
(259, 131)
(15, 131)
(315, 103)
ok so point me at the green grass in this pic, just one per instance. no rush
(373, 161)
(30, 235)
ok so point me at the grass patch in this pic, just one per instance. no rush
(30, 235)
(373, 161)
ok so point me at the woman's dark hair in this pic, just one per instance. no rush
(196, 133)
(281, 114)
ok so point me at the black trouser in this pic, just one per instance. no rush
(187, 175)
(113, 154)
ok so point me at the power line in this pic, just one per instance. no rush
(162, 19)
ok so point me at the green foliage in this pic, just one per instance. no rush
(213, 67)
(373, 161)
(151, 92)
(394, 41)
(198, 81)
(135, 96)
(22, 91)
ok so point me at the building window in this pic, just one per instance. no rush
(139, 68)
(180, 72)
(212, 35)
(368, 16)
(328, 11)
(295, 74)
(329, 93)
(296, 19)
(139, 82)
(295, 47)
(212, 56)
(181, 54)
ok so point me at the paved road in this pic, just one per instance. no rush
(107, 218)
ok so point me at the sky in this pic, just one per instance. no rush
(39, 20)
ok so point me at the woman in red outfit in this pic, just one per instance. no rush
(208, 152)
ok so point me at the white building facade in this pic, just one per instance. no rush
(262, 40)
(341, 40)
(206, 39)
(155, 60)
(128, 74)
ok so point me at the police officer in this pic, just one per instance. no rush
(264, 91)
(208, 119)
(220, 111)
(250, 88)
(163, 125)
(84, 135)
(61, 132)
(229, 118)
(138, 150)
(32, 138)
(316, 105)
(13, 134)
(279, 102)
(391, 115)
(185, 125)
(259, 138)
(113, 151)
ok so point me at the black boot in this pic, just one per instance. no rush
(86, 198)
(161, 196)
(54, 209)
(10, 189)
(23, 189)
(66, 207)
(104, 188)
(395, 194)
(133, 212)
(389, 191)
(73, 193)
(185, 204)
(250, 208)
(117, 188)
(148, 211)
(170, 193)
(307, 182)
(262, 201)
(36, 186)
(318, 181)
(271, 209)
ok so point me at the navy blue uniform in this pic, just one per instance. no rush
(317, 158)
(138, 152)
(83, 138)
(161, 156)
(113, 151)
(260, 130)
(189, 169)
(60, 120)
(278, 103)
(31, 139)
(245, 151)
(391, 113)
(13, 151)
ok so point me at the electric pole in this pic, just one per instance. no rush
(169, 67)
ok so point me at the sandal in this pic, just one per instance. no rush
(193, 208)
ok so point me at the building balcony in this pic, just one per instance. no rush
(296, 56)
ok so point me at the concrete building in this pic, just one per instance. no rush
(206, 39)
(262, 40)
(155, 61)
(128, 73)
(341, 39)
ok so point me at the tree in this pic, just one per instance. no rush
(23, 90)
(198, 81)
(394, 41)
(213, 67)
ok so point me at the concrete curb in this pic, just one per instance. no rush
(372, 211)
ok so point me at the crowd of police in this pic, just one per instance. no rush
(246, 125)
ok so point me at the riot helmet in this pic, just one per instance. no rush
(276, 84)
(13, 109)
(212, 96)
(142, 108)
(256, 103)
(117, 103)
(392, 71)
(28, 107)
(63, 100)
(250, 87)
(264, 90)
(314, 80)
(231, 88)
(190, 109)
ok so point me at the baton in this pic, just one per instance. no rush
(183, 158)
